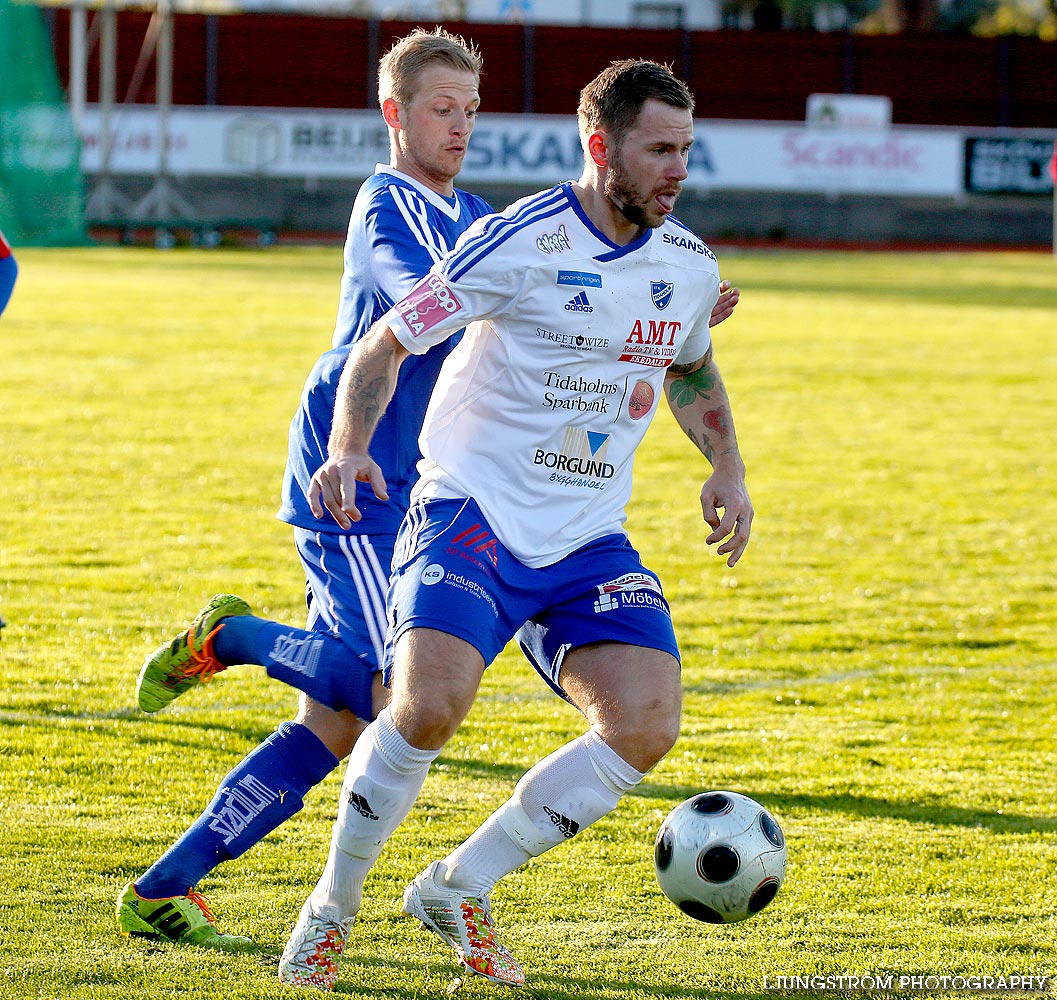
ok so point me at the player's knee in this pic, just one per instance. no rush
(337, 731)
(644, 741)
(428, 723)
(428, 716)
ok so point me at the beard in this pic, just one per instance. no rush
(629, 200)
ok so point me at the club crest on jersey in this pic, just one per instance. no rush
(427, 304)
(661, 292)
(554, 242)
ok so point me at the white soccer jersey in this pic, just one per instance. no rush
(538, 411)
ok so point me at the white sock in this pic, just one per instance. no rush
(562, 795)
(383, 778)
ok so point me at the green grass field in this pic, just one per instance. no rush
(880, 669)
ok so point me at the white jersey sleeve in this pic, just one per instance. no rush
(435, 309)
(700, 337)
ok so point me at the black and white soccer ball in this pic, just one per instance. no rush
(720, 857)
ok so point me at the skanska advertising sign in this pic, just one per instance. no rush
(532, 150)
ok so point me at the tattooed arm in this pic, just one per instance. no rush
(699, 401)
(366, 386)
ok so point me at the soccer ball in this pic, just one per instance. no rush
(720, 857)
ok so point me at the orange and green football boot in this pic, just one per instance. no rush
(188, 660)
(183, 919)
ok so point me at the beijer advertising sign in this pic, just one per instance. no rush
(532, 150)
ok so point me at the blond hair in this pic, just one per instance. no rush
(400, 67)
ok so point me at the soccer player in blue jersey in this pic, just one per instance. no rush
(582, 306)
(405, 217)
(8, 273)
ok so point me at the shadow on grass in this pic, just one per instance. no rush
(357, 971)
(844, 804)
(46, 718)
(871, 807)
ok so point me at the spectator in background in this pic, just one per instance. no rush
(767, 16)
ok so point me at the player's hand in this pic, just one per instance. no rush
(728, 299)
(727, 509)
(334, 486)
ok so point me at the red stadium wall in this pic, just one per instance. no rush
(317, 62)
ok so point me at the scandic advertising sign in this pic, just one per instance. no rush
(534, 150)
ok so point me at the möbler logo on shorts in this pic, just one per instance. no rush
(633, 590)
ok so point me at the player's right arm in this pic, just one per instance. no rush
(366, 386)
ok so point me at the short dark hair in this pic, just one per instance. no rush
(613, 99)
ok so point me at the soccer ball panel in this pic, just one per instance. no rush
(720, 857)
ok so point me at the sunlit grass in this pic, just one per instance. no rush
(879, 669)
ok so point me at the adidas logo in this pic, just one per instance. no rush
(580, 304)
(568, 827)
(361, 805)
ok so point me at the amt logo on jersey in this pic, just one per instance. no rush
(652, 344)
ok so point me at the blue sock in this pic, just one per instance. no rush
(263, 790)
(317, 663)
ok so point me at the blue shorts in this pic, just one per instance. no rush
(346, 579)
(452, 574)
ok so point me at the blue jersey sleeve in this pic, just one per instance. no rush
(395, 236)
(8, 272)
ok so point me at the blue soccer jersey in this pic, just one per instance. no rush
(398, 230)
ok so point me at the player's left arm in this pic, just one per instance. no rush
(699, 400)
(724, 307)
(8, 272)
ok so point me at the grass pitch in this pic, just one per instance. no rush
(879, 669)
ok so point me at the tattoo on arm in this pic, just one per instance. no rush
(685, 389)
(373, 396)
(676, 371)
(701, 444)
(719, 420)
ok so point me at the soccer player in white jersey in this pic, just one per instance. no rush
(582, 305)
